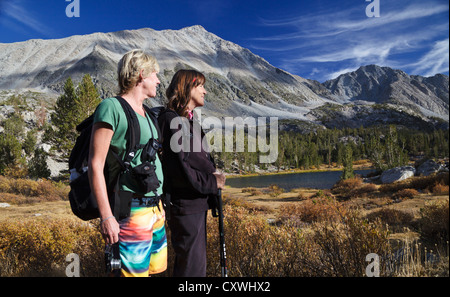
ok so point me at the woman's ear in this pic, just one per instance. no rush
(141, 75)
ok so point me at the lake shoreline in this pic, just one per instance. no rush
(292, 171)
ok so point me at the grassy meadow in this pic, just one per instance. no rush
(269, 232)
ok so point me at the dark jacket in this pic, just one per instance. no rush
(188, 176)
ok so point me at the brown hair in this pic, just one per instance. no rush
(179, 91)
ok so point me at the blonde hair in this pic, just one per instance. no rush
(130, 67)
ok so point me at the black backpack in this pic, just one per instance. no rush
(82, 200)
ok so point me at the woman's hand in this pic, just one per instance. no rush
(109, 228)
(220, 178)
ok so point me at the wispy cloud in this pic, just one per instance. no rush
(408, 14)
(435, 61)
(19, 15)
(343, 40)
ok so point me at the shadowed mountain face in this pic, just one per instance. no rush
(239, 83)
(385, 85)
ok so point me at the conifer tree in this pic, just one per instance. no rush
(376, 152)
(30, 142)
(62, 133)
(10, 151)
(72, 107)
(86, 100)
(348, 163)
(37, 167)
(10, 143)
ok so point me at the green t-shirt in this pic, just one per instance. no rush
(110, 111)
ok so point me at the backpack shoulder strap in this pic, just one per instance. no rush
(133, 132)
(154, 114)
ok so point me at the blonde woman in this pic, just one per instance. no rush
(141, 235)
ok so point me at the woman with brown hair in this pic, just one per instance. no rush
(190, 176)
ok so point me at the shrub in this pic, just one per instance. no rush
(342, 247)
(353, 188)
(427, 182)
(394, 187)
(434, 222)
(255, 248)
(5, 186)
(302, 196)
(252, 191)
(406, 194)
(346, 185)
(323, 194)
(52, 191)
(394, 218)
(24, 187)
(275, 191)
(310, 211)
(38, 247)
(13, 198)
(42, 190)
(248, 190)
(329, 248)
(366, 189)
(418, 183)
(250, 207)
(439, 189)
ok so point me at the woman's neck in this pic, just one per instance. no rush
(136, 101)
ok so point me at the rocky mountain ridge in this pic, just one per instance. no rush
(239, 82)
(385, 85)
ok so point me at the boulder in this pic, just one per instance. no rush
(428, 167)
(397, 174)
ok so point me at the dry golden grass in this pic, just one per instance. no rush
(303, 232)
(410, 215)
(20, 191)
(39, 246)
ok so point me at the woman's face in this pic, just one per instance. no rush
(151, 84)
(197, 97)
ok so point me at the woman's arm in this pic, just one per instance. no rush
(100, 142)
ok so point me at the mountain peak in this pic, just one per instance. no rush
(376, 70)
(194, 28)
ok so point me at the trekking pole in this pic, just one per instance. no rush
(223, 253)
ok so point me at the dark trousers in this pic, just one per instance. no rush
(189, 243)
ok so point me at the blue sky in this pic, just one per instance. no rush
(314, 39)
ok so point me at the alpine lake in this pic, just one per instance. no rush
(320, 180)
